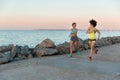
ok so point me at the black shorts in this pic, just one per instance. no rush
(92, 40)
(74, 38)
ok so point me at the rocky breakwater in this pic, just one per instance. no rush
(84, 44)
(48, 48)
(12, 53)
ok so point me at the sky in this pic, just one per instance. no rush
(59, 14)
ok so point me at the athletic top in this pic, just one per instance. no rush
(73, 31)
(92, 35)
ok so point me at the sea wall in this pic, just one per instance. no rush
(48, 48)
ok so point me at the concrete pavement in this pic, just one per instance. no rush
(105, 66)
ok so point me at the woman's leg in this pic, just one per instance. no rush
(76, 45)
(90, 43)
(95, 50)
(71, 47)
(92, 48)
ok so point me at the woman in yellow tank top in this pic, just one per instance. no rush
(92, 37)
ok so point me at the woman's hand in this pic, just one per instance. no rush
(88, 30)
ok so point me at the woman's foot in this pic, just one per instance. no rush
(96, 51)
(90, 58)
(70, 55)
(78, 52)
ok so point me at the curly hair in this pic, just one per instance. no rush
(93, 22)
(73, 23)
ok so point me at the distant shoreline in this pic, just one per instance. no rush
(50, 30)
(68, 30)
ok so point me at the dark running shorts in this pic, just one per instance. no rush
(74, 38)
(92, 40)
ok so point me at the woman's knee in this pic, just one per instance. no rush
(71, 44)
(76, 43)
(92, 45)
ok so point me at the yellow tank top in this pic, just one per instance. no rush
(92, 35)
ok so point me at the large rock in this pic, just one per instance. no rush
(106, 42)
(86, 46)
(45, 52)
(64, 48)
(47, 43)
(81, 42)
(5, 57)
(118, 39)
(25, 50)
(30, 56)
(115, 39)
(6, 48)
(102, 42)
(21, 52)
(14, 51)
(117, 77)
(21, 56)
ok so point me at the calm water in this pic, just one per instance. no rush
(33, 37)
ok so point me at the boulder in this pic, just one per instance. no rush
(99, 43)
(21, 56)
(117, 40)
(86, 46)
(106, 42)
(102, 42)
(8, 54)
(47, 43)
(64, 48)
(14, 51)
(25, 50)
(29, 56)
(45, 52)
(116, 77)
(109, 39)
(31, 50)
(81, 42)
(6, 48)
(86, 41)
(5, 57)
(20, 52)
(114, 40)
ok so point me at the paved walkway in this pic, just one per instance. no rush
(105, 66)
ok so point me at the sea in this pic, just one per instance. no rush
(34, 37)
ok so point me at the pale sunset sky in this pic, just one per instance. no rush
(58, 14)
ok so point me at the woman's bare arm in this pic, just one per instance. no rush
(98, 33)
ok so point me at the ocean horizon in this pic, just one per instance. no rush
(33, 37)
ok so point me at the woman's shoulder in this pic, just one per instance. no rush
(76, 28)
(71, 29)
(95, 29)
